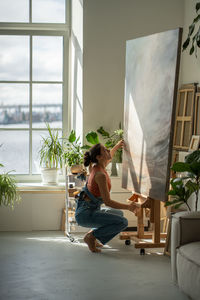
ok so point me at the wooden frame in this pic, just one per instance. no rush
(197, 115)
(194, 144)
(184, 116)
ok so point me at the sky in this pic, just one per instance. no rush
(15, 53)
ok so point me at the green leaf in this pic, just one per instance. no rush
(195, 168)
(109, 144)
(85, 147)
(192, 50)
(196, 19)
(185, 44)
(181, 167)
(103, 132)
(92, 138)
(178, 205)
(197, 6)
(72, 136)
(172, 202)
(172, 192)
(193, 157)
(191, 29)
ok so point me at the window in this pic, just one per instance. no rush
(33, 78)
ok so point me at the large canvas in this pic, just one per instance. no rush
(152, 64)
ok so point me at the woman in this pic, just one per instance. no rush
(106, 223)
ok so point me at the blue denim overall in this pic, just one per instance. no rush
(106, 222)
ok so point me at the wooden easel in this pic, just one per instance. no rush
(143, 203)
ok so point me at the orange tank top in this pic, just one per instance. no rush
(92, 185)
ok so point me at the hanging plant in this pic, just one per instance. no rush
(193, 38)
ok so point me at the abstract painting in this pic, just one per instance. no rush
(152, 65)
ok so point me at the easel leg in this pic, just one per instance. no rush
(155, 219)
(140, 235)
(140, 223)
(156, 224)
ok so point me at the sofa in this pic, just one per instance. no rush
(185, 252)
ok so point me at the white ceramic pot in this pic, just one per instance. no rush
(49, 176)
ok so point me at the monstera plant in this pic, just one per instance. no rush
(184, 187)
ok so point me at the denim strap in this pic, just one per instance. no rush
(90, 195)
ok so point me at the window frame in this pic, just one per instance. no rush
(42, 29)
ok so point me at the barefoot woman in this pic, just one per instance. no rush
(105, 223)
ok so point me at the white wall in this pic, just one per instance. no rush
(36, 211)
(107, 25)
(190, 65)
(76, 68)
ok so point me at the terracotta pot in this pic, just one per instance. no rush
(75, 169)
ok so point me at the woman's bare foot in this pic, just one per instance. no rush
(90, 240)
(97, 244)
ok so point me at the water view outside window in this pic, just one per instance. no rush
(31, 78)
(14, 153)
(25, 105)
(47, 105)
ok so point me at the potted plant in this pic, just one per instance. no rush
(184, 187)
(51, 157)
(8, 189)
(73, 153)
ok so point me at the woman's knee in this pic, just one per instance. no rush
(124, 222)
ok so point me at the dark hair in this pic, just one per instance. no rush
(90, 156)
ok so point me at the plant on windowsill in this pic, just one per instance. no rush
(184, 187)
(8, 189)
(73, 153)
(51, 157)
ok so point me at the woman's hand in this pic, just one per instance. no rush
(120, 144)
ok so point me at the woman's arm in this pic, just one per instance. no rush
(100, 179)
(116, 147)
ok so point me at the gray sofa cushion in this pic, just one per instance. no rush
(185, 229)
(188, 271)
(189, 229)
(191, 252)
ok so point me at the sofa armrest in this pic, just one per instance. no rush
(185, 229)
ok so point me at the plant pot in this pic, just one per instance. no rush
(76, 169)
(49, 176)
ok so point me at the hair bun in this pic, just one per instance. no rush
(87, 158)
